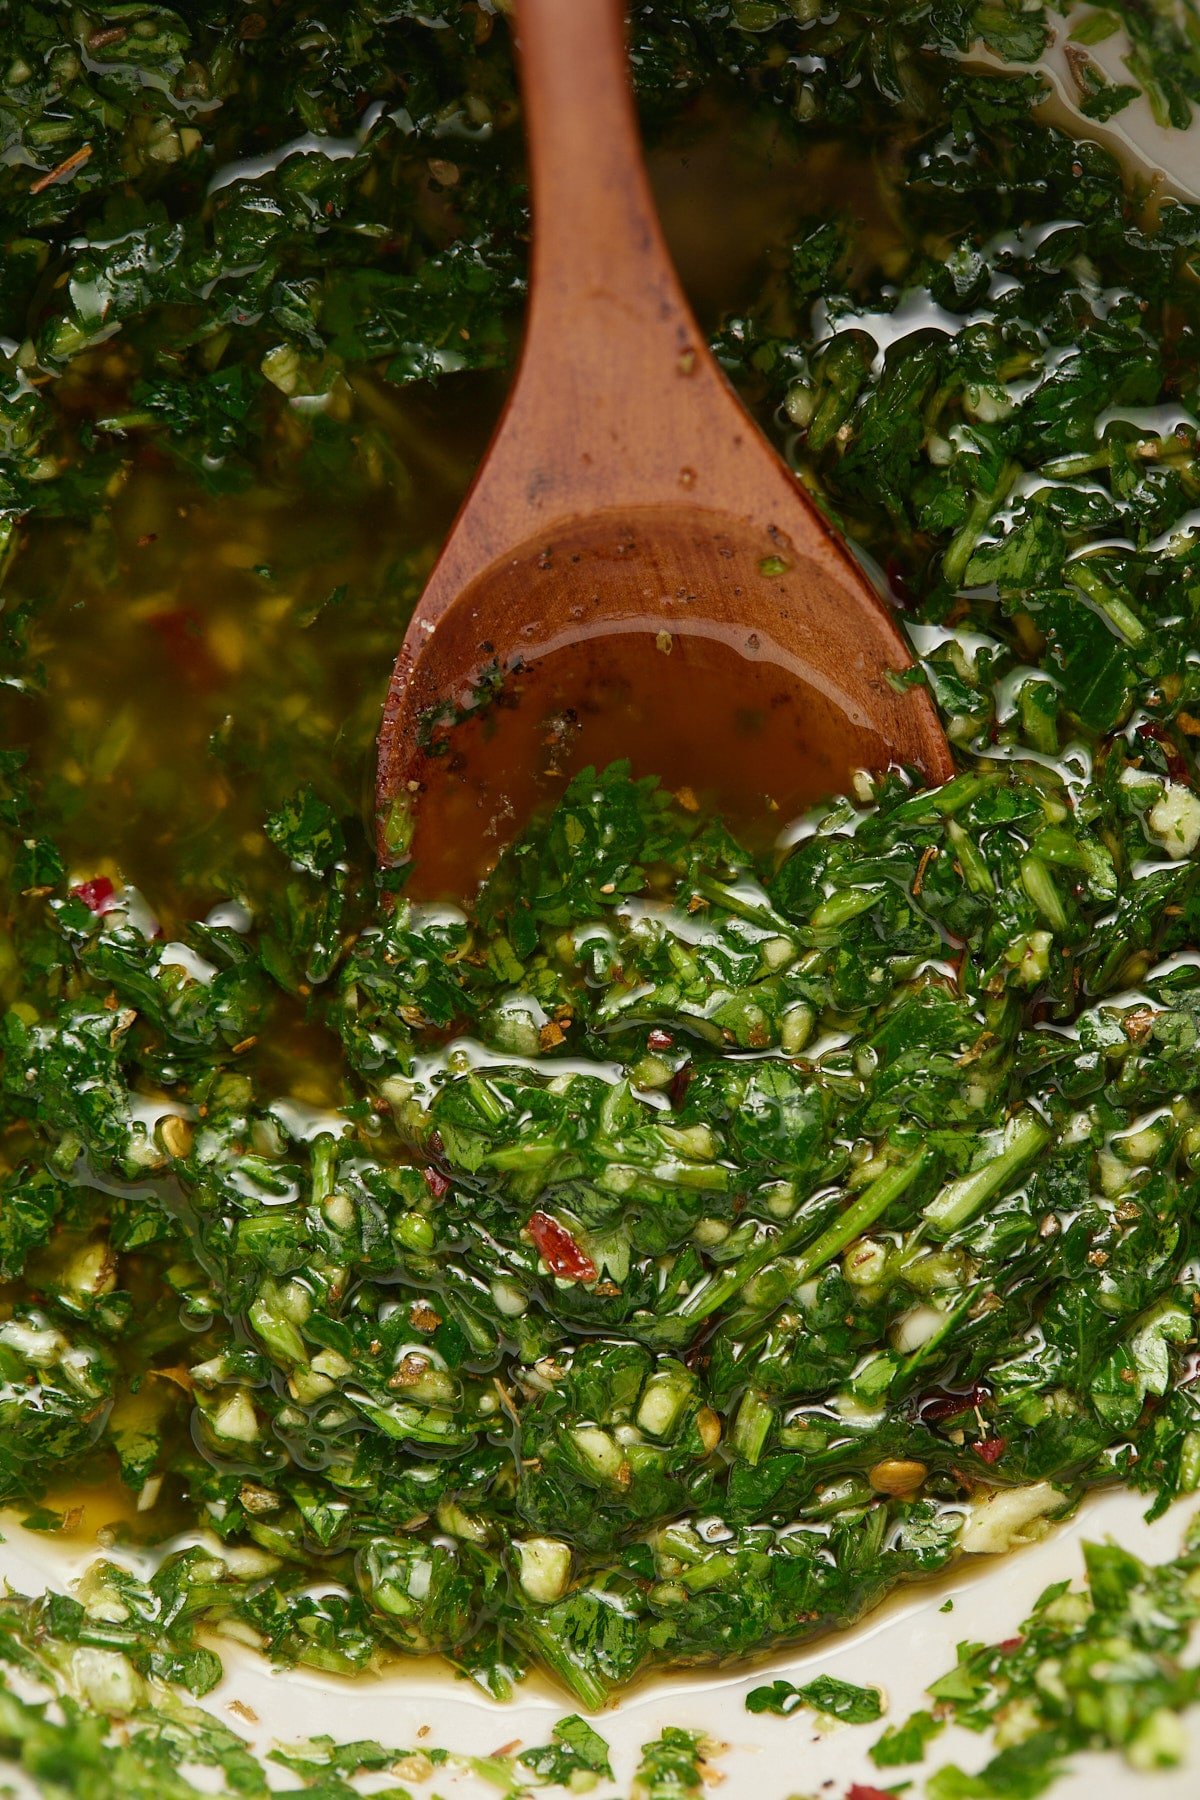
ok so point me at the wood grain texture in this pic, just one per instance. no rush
(620, 428)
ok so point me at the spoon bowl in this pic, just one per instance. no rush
(635, 572)
(626, 635)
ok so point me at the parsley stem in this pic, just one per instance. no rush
(871, 1204)
(959, 1200)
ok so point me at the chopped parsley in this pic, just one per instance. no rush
(87, 1707)
(825, 1695)
(1098, 1667)
(664, 1258)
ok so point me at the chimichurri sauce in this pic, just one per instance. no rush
(664, 1260)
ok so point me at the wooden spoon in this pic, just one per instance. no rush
(634, 572)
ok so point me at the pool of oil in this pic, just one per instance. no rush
(204, 651)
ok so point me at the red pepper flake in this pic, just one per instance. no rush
(864, 1791)
(97, 895)
(1009, 1645)
(660, 1040)
(181, 634)
(558, 1249)
(992, 1449)
(1177, 767)
(681, 1081)
(437, 1183)
(942, 1404)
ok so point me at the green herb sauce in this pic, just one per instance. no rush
(668, 1259)
(1100, 1667)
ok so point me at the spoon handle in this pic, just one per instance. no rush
(601, 275)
